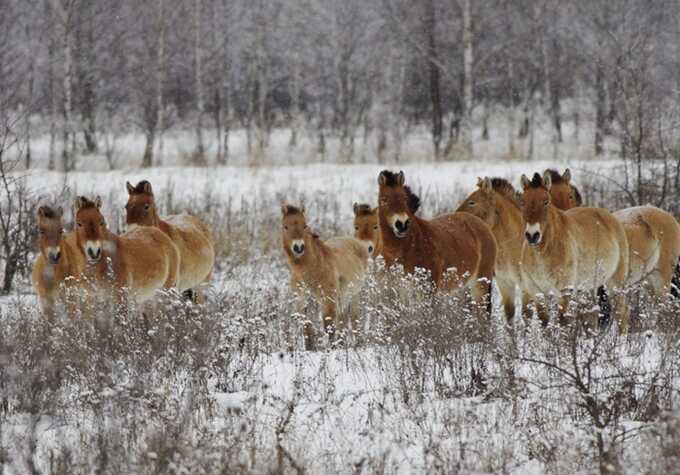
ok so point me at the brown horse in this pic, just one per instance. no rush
(494, 201)
(563, 194)
(581, 249)
(135, 264)
(191, 236)
(57, 269)
(653, 239)
(366, 227)
(457, 249)
(332, 271)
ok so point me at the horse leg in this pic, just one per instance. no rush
(308, 331)
(329, 315)
(47, 305)
(507, 290)
(481, 294)
(617, 297)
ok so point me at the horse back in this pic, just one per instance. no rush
(350, 257)
(195, 244)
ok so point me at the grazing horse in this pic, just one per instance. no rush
(457, 249)
(654, 244)
(580, 249)
(495, 202)
(331, 270)
(366, 227)
(191, 236)
(135, 264)
(57, 268)
(563, 194)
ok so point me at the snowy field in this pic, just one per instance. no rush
(226, 387)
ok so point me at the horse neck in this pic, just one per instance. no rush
(509, 217)
(156, 221)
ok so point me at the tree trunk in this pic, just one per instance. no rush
(68, 101)
(433, 70)
(199, 155)
(600, 118)
(294, 89)
(147, 158)
(466, 119)
(30, 83)
(51, 83)
(160, 80)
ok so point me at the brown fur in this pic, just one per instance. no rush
(457, 241)
(135, 264)
(654, 239)
(582, 249)
(331, 270)
(494, 202)
(366, 227)
(58, 267)
(191, 236)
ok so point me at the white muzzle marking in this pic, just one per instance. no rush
(93, 251)
(533, 234)
(298, 247)
(402, 218)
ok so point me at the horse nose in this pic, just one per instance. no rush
(299, 248)
(402, 226)
(94, 253)
(533, 238)
(370, 249)
(54, 256)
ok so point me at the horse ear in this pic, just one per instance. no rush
(147, 188)
(486, 186)
(566, 176)
(524, 181)
(98, 201)
(41, 212)
(401, 178)
(78, 203)
(382, 179)
(355, 208)
(60, 212)
(547, 180)
(284, 209)
(130, 188)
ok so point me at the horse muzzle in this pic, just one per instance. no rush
(53, 254)
(93, 252)
(401, 227)
(298, 248)
(533, 239)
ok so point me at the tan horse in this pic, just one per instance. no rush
(563, 194)
(332, 271)
(494, 201)
(366, 227)
(458, 249)
(57, 269)
(135, 264)
(191, 236)
(581, 249)
(653, 239)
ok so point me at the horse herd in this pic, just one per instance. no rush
(539, 243)
(536, 243)
(91, 262)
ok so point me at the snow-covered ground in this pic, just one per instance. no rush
(228, 387)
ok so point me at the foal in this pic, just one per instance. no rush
(494, 201)
(57, 268)
(331, 270)
(191, 236)
(579, 249)
(135, 264)
(458, 249)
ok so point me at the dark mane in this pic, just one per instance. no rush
(536, 181)
(290, 209)
(555, 176)
(413, 200)
(505, 188)
(363, 209)
(142, 187)
(577, 196)
(47, 212)
(391, 179)
(84, 203)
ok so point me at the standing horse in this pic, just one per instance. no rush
(331, 270)
(457, 249)
(57, 268)
(135, 264)
(563, 194)
(494, 202)
(653, 239)
(191, 236)
(580, 249)
(366, 227)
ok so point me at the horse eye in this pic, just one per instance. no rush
(146, 206)
(546, 203)
(80, 225)
(471, 203)
(375, 227)
(356, 228)
(285, 227)
(305, 226)
(41, 232)
(103, 223)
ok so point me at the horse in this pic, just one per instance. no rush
(133, 265)
(366, 227)
(332, 270)
(457, 249)
(563, 194)
(191, 236)
(580, 249)
(654, 244)
(494, 202)
(57, 269)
